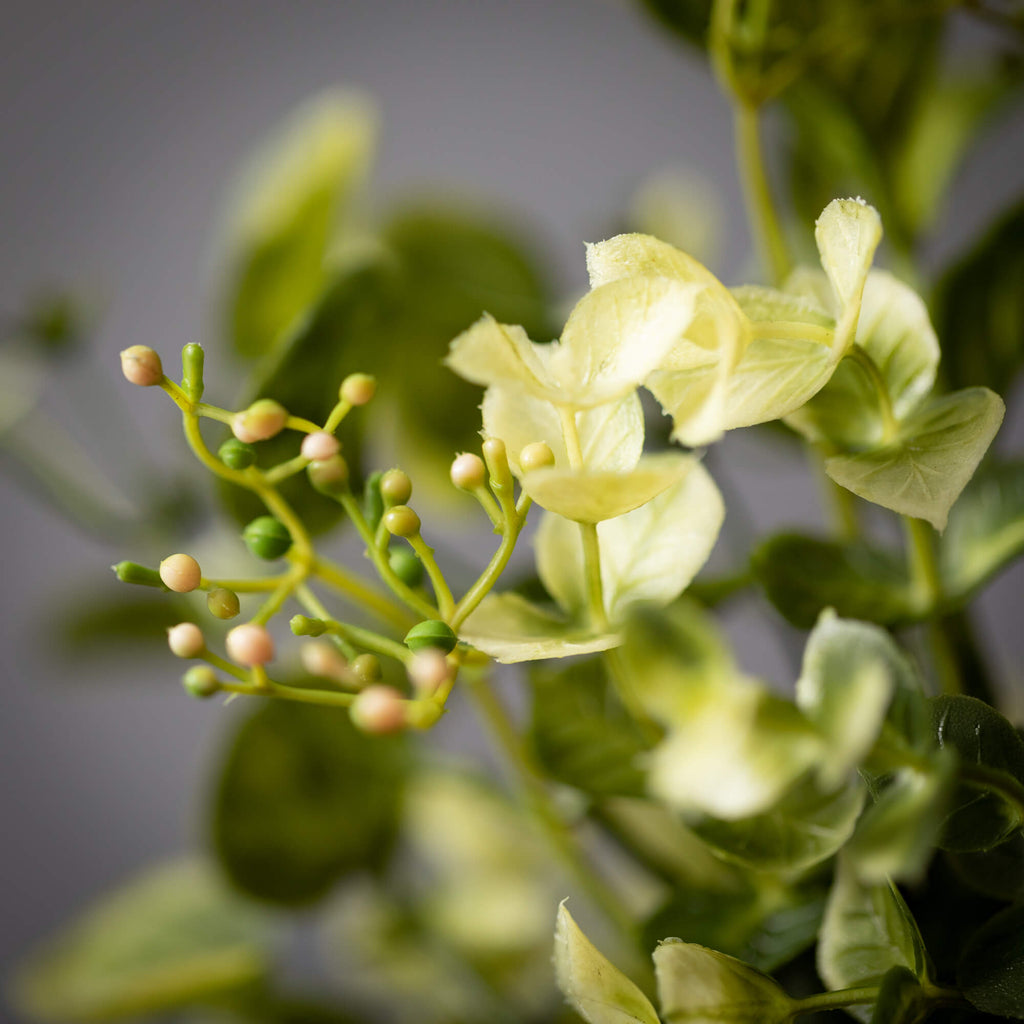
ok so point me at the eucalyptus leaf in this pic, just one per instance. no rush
(597, 990)
(802, 576)
(991, 971)
(171, 937)
(867, 930)
(697, 985)
(304, 799)
(286, 212)
(923, 472)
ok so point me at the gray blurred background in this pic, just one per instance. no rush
(122, 123)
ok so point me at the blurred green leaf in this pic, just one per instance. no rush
(287, 209)
(688, 18)
(172, 937)
(991, 971)
(302, 800)
(990, 809)
(802, 576)
(105, 625)
(985, 533)
(998, 872)
(901, 1000)
(582, 735)
(979, 308)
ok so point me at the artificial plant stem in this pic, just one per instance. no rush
(443, 593)
(837, 1000)
(514, 751)
(757, 192)
(349, 634)
(359, 593)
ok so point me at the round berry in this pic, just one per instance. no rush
(186, 640)
(431, 633)
(250, 644)
(357, 388)
(395, 487)
(329, 476)
(236, 454)
(406, 566)
(536, 456)
(223, 603)
(379, 709)
(428, 669)
(321, 658)
(180, 573)
(366, 668)
(468, 471)
(319, 446)
(141, 365)
(263, 419)
(402, 521)
(201, 681)
(267, 537)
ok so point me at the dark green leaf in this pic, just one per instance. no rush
(171, 937)
(901, 1000)
(998, 872)
(99, 626)
(304, 799)
(802, 576)
(979, 308)
(988, 806)
(687, 18)
(582, 735)
(991, 972)
(985, 532)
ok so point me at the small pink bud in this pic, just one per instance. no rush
(319, 446)
(186, 640)
(320, 658)
(429, 669)
(358, 389)
(262, 420)
(379, 709)
(141, 365)
(180, 573)
(468, 471)
(250, 644)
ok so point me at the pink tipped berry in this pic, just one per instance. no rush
(379, 709)
(262, 420)
(468, 472)
(250, 644)
(186, 640)
(180, 573)
(319, 446)
(358, 388)
(321, 658)
(141, 365)
(429, 669)
(201, 681)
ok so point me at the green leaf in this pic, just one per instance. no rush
(867, 931)
(597, 990)
(511, 629)
(702, 986)
(998, 872)
(689, 18)
(979, 308)
(985, 531)
(893, 329)
(285, 213)
(923, 472)
(988, 807)
(801, 830)
(171, 937)
(991, 971)
(581, 734)
(803, 576)
(304, 799)
(901, 999)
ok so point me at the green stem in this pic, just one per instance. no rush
(837, 1000)
(359, 593)
(757, 192)
(366, 639)
(890, 425)
(443, 593)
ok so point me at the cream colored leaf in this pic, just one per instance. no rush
(502, 354)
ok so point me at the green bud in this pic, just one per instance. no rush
(402, 521)
(395, 487)
(366, 668)
(201, 681)
(192, 371)
(132, 572)
(267, 537)
(496, 458)
(357, 388)
(431, 633)
(406, 566)
(303, 625)
(329, 476)
(236, 454)
(223, 603)
(373, 503)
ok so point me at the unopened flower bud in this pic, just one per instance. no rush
(141, 365)
(303, 625)
(428, 669)
(262, 420)
(192, 371)
(250, 644)
(379, 709)
(186, 640)
(321, 658)
(132, 572)
(329, 476)
(431, 633)
(468, 471)
(395, 487)
(236, 454)
(201, 681)
(223, 603)
(319, 446)
(366, 668)
(267, 538)
(180, 573)
(536, 456)
(496, 457)
(357, 388)
(406, 566)
(402, 521)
